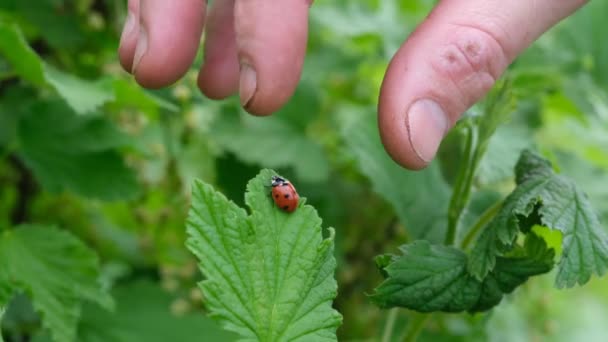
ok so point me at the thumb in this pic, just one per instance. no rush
(450, 61)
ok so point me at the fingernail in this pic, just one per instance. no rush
(141, 47)
(247, 84)
(128, 28)
(427, 124)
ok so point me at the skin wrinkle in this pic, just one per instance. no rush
(495, 66)
(452, 63)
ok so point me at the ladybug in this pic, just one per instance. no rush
(284, 194)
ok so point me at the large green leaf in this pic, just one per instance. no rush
(56, 270)
(143, 314)
(544, 197)
(420, 198)
(429, 278)
(269, 275)
(76, 153)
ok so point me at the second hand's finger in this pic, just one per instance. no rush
(450, 61)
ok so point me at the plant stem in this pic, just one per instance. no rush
(483, 220)
(389, 325)
(462, 189)
(415, 326)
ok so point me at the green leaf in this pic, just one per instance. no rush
(544, 197)
(130, 94)
(56, 270)
(498, 104)
(429, 278)
(504, 149)
(589, 177)
(277, 141)
(143, 314)
(53, 24)
(76, 153)
(419, 198)
(83, 96)
(16, 50)
(269, 275)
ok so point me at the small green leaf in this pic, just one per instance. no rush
(56, 270)
(481, 128)
(269, 275)
(429, 278)
(419, 198)
(83, 96)
(498, 104)
(76, 153)
(543, 197)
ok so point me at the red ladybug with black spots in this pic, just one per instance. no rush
(284, 194)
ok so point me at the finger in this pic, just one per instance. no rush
(451, 60)
(271, 42)
(219, 75)
(128, 38)
(167, 40)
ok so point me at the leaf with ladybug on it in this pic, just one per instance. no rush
(269, 276)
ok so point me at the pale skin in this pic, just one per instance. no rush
(256, 48)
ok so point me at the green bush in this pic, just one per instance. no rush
(116, 202)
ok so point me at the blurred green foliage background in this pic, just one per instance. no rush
(84, 148)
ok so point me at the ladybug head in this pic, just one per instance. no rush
(276, 181)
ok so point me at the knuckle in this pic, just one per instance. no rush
(472, 60)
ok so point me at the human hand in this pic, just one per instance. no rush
(257, 47)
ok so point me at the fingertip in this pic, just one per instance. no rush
(271, 42)
(219, 74)
(395, 137)
(214, 86)
(168, 40)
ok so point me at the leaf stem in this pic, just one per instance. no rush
(415, 326)
(483, 220)
(390, 324)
